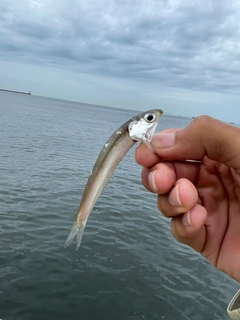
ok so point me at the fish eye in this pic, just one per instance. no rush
(150, 117)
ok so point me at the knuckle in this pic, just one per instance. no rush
(202, 120)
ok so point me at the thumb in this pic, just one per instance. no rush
(204, 136)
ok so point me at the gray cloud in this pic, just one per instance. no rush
(183, 44)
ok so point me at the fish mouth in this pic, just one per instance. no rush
(147, 137)
(150, 132)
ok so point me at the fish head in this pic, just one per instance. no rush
(143, 126)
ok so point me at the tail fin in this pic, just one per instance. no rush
(77, 230)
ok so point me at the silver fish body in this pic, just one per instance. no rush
(140, 127)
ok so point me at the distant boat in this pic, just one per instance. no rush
(20, 92)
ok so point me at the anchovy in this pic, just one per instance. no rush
(138, 128)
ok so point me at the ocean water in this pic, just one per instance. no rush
(128, 266)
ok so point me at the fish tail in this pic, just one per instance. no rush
(77, 230)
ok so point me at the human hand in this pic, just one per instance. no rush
(202, 198)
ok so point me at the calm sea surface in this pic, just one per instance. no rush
(128, 266)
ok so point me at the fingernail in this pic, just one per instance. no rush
(151, 180)
(186, 220)
(163, 140)
(173, 198)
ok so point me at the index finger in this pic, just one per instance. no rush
(166, 174)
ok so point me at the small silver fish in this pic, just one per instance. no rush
(138, 128)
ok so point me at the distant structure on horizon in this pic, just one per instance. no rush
(20, 92)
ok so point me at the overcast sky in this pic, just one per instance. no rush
(179, 55)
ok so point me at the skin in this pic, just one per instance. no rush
(202, 198)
